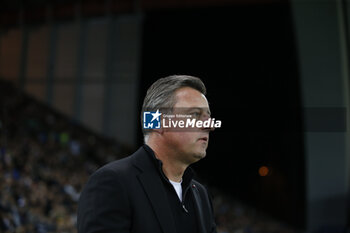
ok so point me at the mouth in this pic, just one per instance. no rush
(204, 139)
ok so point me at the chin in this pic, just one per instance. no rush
(200, 155)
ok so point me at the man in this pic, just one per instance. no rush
(152, 191)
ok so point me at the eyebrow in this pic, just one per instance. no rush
(200, 109)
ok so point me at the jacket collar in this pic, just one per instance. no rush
(144, 159)
(154, 189)
(187, 176)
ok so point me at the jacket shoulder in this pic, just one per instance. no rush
(117, 166)
(121, 166)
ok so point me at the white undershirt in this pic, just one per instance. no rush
(178, 188)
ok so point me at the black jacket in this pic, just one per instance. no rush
(127, 196)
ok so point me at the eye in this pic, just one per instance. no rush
(196, 114)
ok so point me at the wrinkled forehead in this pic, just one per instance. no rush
(187, 97)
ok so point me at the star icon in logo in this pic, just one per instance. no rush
(156, 115)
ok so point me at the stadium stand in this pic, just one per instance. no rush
(46, 158)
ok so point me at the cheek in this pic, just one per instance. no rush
(189, 142)
(182, 139)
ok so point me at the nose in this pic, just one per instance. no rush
(206, 117)
(209, 129)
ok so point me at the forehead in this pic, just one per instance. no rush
(187, 97)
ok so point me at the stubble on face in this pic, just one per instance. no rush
(190, 146)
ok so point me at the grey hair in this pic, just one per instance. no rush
(160, 95)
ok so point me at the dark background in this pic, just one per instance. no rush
(246, 56)
(277, 77)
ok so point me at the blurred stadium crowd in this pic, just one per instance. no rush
(46, 158)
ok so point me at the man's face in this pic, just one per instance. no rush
(189, 144)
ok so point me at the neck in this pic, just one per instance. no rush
(172, 171)
(172, 167)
